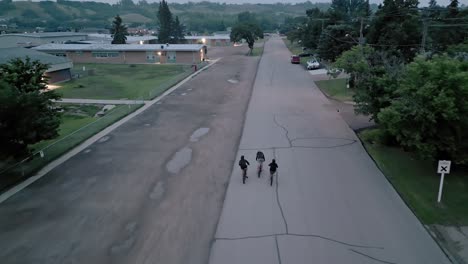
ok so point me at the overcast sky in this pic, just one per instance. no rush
(422, 2)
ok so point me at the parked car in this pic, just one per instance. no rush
(313, 64)
(295, 59)
(305, 54)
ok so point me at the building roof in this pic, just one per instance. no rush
(208, 37)
(7, 54)
(108, 37)
(46, 34)
(118, 47)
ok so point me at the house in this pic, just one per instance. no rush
(59, 67)
(127, 53)
(36, 39)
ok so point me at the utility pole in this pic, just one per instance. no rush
(361, 34)
(424, 36)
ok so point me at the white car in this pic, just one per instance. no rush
(313, 64)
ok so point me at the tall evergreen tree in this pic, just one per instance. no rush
(118, 31)
(178, 31)
(165, 23)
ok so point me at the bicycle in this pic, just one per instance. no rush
(244, 175)
(272, 173)
(260, 167)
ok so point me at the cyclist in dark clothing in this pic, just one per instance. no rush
(243, 163)
(260, 159)
(273, 166)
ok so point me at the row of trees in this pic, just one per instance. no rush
(400, 28)
(407, 65)
(170, 29)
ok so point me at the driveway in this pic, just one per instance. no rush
(329, 202)
(151, 191)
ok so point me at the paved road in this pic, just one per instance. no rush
(128, 198)
(330, 204)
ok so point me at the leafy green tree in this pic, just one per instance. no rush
(375, 76)
(118, 31)
(249, 32)
(334, 40)
(447, 30)
(396, 28)
(430, 113)
(27, 113)
(165, 23)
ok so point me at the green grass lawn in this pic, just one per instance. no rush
(78, 124)
(336, 88)
(417, 182)
(119, 81)
(257, 51)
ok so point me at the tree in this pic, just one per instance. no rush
(334, 40)
(376, 75)
(165, 23)
(27, 113)
(247, 31)
(178, 31)
(430, 113)
(396, 28)
(118, 31)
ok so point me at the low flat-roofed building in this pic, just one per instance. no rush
(107, 39)
(59, 67)
(36, 39)
(210, 41)
(127, 53)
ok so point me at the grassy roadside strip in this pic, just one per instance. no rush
(257, 51)
(72, 132)
(417, 183)
(336, 89)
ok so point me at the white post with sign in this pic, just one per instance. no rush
(443, 168)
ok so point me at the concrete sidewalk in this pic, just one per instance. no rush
(329, 202)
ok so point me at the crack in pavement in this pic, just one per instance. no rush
(277, 250)
(300, 147)
(367, 256)
(285, 130)
(301, 235)
(277, 197)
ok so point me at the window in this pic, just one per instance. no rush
(105, 54)
(78, 53)
(59, 54)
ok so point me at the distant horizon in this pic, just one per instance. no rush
(421, 2)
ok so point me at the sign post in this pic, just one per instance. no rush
(443, 168)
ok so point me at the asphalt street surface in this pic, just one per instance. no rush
(151, 191)
(329, 202)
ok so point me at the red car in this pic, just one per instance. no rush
(295, 59)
